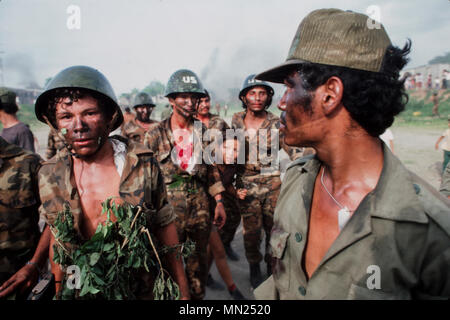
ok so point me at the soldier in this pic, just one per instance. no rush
(19, 216)
(180, 150)
(212, 121)
(352, 223)
(260, 179)
(136, 129)
(54, 144)
(14, 131)
(80, 103)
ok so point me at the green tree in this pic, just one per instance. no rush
(154, 88)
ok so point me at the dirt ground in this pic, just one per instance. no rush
(413, 145)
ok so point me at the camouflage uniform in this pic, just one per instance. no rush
(188, 195)
(263, 188)
(19, 201)
(133, 131)
(141, 184)
(54, 144)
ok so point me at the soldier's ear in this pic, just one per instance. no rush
(331, 93)
(171, 101)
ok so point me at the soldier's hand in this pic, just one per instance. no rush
(21, 281)
(241, 193)
(219, 215)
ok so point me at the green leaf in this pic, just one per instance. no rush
(94, 258)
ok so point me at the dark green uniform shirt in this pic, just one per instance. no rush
(395, 246)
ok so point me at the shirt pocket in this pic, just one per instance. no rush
(280, 259)
(361, 293)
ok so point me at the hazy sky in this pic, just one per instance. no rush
(136, 41)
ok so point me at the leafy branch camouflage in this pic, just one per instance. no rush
(109, 260)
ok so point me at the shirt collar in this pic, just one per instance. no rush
(395, 196)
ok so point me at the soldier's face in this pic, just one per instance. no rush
(143, 113)
(256, 99)
(86, 125)
(299, 120)
(204, 106)
(185, 104)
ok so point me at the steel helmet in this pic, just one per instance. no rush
(251, 82)
(184, 81)
(82, 77)
(143, 98)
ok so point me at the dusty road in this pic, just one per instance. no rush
(413, 145)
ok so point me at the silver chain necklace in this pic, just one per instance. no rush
(344, 212)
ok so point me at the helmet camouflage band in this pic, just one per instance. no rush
(251, 82)
(143, 98)
(184, 81)
(81, 77)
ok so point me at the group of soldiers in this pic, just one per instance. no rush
(196, 198)
(351, 209)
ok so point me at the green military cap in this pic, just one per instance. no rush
(7, 96)
(334, 37)
(143, 98)
(82, 77)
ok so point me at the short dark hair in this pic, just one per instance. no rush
(127, 109)
(371, 98)
(74, 94)
(9, 108)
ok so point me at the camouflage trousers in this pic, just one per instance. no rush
(257, 213)
(193, 222)
(233, 219)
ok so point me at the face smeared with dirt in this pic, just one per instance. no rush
(256, 99)
(83, 124)
(204, 106)
(143, 113)
(185, 104)
(298, 118)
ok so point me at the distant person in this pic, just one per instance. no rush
(225, 109)
(136, 128)
(445, 184)
(419, 80)
(437, 83)
(429, 82)
(435, 100)
(218, 109)
(388, 139)
(14, 131)
(444, 79)
(446, 145)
